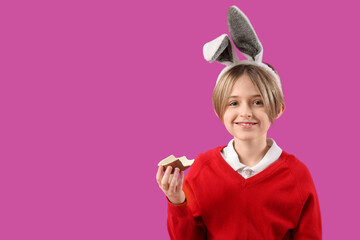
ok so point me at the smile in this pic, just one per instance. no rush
(246, 124)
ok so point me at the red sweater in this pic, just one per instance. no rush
(280, 202)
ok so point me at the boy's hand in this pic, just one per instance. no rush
(170, 185)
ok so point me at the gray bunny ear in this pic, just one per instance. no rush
(243, 34)
(220, 50)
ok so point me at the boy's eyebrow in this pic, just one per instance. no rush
(252, 96)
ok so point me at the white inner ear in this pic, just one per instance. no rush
(211, 48)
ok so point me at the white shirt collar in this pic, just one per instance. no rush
(231, 157)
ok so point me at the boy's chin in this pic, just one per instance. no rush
(248, 137)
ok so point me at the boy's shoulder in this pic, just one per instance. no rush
(211, 153)
(295, 165)
(299, 171)
(205, 159)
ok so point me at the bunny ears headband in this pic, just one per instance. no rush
(245, 39)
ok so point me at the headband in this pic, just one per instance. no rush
(245, 39)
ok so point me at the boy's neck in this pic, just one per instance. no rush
(250, 153)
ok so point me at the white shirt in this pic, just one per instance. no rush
(231, 157)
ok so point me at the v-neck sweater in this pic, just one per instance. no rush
(280, 202)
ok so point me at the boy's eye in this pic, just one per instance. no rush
(258, 102)
(233, 103)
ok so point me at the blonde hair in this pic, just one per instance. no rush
(266, 84)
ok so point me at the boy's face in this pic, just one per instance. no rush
(245, 116)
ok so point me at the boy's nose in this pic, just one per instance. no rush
(246, 115)
(245, 111)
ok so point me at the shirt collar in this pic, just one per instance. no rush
(231, 157)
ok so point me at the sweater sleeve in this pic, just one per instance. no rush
(309, 224)
(184, 220)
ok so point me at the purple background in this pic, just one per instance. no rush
(93, 94)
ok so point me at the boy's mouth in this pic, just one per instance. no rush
(246, 124)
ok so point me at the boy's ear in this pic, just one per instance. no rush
(282, 109)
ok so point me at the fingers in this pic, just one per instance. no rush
(168, 182)
(173, 183)
(165, 179)
(170, 178)
(181, 180)
(159, 175)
